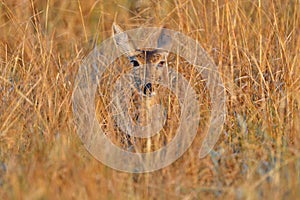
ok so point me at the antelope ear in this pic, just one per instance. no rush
(122, 41)
(164, 41)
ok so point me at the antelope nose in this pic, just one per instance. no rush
(147, 90)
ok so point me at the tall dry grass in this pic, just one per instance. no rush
(256, 45)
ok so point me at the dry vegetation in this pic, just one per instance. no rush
(256, 45)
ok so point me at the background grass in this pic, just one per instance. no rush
(256, 45)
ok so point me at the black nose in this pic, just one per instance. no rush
(147, 89)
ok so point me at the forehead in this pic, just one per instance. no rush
(148, 55)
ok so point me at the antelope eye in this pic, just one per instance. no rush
(135, 63)
(161, 63)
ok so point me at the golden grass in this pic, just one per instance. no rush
(256, 45)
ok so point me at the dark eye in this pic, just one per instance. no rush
(161, 63)
(135, 63)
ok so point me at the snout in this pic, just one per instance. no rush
(148, 90)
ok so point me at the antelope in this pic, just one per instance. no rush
(149, 66)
